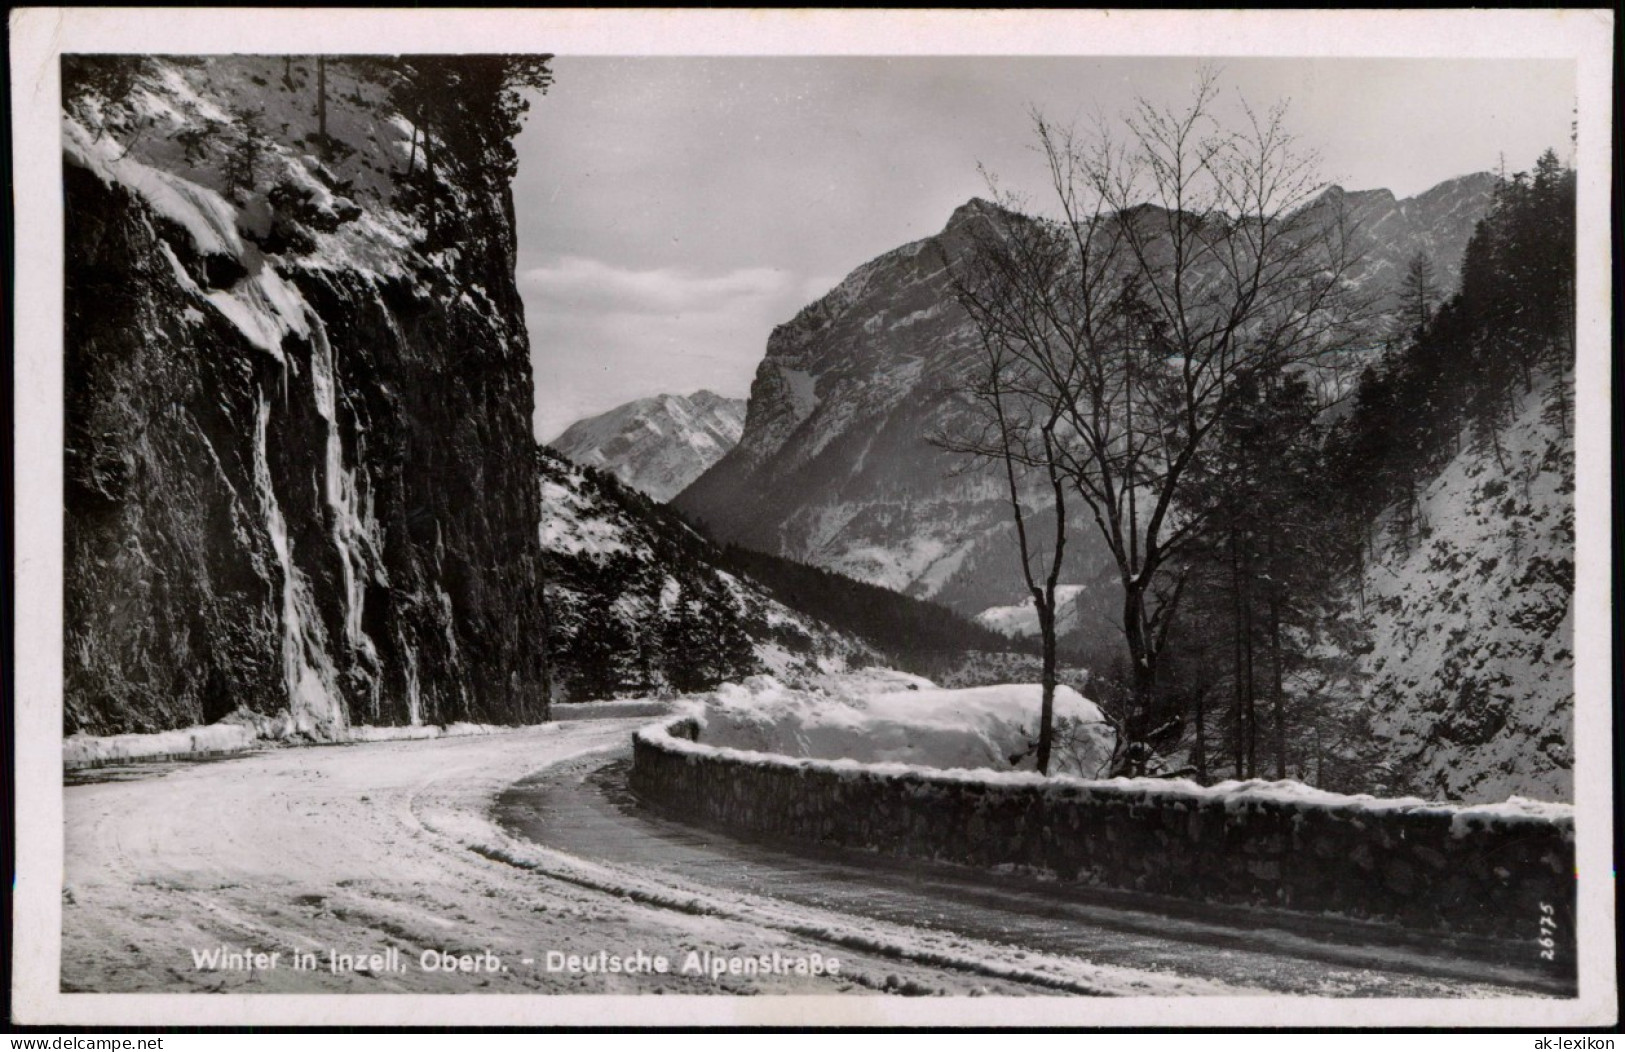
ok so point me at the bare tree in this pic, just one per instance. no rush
(1012, 425)
(1176, 263)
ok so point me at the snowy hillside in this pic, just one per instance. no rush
(639, 604)
(658, 445)
(1472, 657)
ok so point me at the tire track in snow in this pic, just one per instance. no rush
(477, 832)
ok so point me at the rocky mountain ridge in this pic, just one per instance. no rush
(836, 467)
(1470, 670)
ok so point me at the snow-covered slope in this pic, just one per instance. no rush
(658, 445)
(1436, 223)
(836, 467)
(298, 480)
(639, 606)
(1472, 665)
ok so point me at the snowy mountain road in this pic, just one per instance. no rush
(381, 861)
(389, 865)
(584, 808)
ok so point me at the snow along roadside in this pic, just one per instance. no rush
(224, 739)
(242, 733)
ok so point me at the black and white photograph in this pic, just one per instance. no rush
(900, 518)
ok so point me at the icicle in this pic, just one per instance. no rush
(414, 694)
(314, 702)
(354, 528)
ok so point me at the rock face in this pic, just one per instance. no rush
(835, 466)
(658, 445)
(300, 480)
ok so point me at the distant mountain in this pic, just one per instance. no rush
(1438, 223)
(835, 466)
(658, 445)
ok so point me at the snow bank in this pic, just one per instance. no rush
(886, 717)
(84, 750)
(1470, 674)
(240, 732)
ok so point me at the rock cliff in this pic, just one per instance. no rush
(300, 480)
(640, 604)
(835, 466)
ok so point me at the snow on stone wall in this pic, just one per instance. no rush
(1486, 870)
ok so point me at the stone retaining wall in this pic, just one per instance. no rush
(1461, 870)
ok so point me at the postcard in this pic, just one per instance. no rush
(779, 518)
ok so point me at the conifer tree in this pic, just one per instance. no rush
(1417, 294)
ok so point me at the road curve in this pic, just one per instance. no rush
(401, 846)
(362, 849)
(583, 808)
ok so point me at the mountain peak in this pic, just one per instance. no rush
(975, 208)
(658, 444)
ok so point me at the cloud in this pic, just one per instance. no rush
(578, 284)
(602, 335)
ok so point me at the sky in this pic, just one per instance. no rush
(673, 210)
